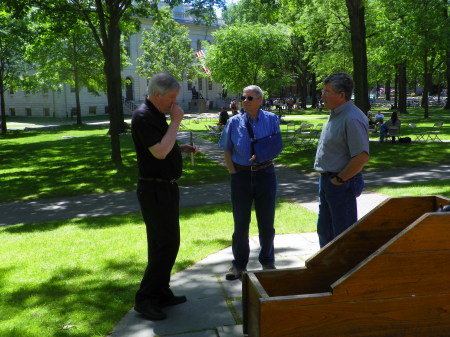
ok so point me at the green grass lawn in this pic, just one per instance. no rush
(432, 187)
(84, 272)
(74, 160)
(64, 279)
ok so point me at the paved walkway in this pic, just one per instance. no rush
(214, 306)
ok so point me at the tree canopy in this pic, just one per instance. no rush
(166, 47)
(247, 54)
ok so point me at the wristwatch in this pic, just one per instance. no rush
(340, 180)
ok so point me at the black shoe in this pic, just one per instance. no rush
(170, 299)
(268, 267)
(150, 311)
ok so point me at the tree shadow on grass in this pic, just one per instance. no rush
(90, 300)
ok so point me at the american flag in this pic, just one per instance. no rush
(201, 55)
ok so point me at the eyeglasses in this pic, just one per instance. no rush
(328, 93)
(249, 98)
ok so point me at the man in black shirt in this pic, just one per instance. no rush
(223, 116)
(160, 165)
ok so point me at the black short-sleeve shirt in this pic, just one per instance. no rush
(148, 127)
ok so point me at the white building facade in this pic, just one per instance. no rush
(62, 103)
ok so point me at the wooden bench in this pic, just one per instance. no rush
(387, 275)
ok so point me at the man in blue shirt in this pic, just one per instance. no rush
(251, 181)
(342, 152)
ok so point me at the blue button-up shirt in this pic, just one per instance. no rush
(235, 137)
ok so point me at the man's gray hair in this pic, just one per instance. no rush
(341, 82)
(162, 83)
(255, 88)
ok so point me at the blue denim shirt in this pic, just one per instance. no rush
(235, 137)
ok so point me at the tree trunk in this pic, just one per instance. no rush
(427, 85)
(313, 91)
(304, 90)
(447, 105)
(356, 13)
(396, 89)
(114, 92)
(77, 96)
(76, 76)
(387, 90)
(402, 86)
(2, 105)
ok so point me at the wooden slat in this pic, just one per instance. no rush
(429, 232)
(426, 316)
(252, 292)
(397, 275)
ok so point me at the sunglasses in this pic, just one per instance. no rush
(249, 98)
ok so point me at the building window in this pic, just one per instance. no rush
(46, 112)
(127, 46)
(200, 84)
(12, 111)
(92, 110)
(28, 112)
(72, 89)
(73, 112)
(45, 91)
(210, 85)
(129, 94)
(189, 85)
(11, 91)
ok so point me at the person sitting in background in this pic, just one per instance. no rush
(379, 118)
(394, 121)
(372, 123)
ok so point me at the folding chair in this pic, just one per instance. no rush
(393, 131)
(420, 136)
(303, 136)
(290, 131)
(433, 135)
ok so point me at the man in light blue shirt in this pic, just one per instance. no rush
(251, 180)
(342, 152)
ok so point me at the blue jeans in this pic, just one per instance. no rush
(383, 130)
(337, 206)
(246, 187)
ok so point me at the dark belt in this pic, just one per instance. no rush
(159, 180)
(329, 173)
(253, 167)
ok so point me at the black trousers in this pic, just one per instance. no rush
(159, 203)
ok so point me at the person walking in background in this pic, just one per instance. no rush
(251, 180)
(342, 152)
(223, 116)
(160, 165)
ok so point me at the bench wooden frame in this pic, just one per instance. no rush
(387, 275)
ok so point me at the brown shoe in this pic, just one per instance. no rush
(234, 274)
